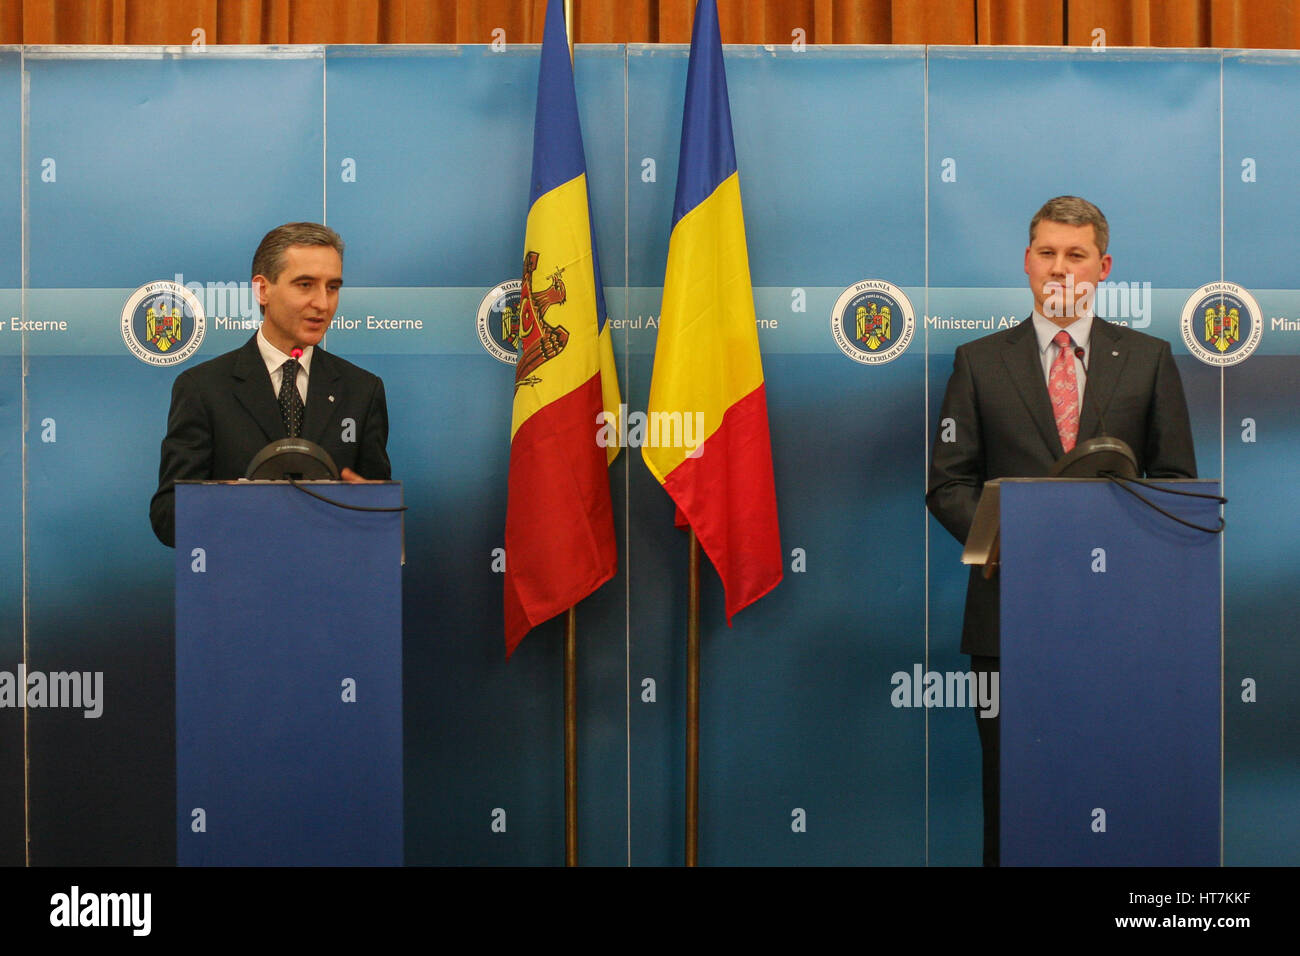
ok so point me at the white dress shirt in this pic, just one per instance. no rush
(274, 359)
(1080, 332)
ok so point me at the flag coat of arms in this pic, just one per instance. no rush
(560, 543)
(707, 357)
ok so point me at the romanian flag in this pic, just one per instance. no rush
(707, 363)
(560, 542)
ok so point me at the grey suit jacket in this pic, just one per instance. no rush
(224, 411)
(1004, 428)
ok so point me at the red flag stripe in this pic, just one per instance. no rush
(725, 494)
(559, 506)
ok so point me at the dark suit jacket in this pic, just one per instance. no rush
(224, 411)
(997, 398)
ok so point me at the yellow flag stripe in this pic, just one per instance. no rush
(611, 400)
(559, 232)
(707, 356)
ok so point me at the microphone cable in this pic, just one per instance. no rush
(1124, 483)
(340, 504)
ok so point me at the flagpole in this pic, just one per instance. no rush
(693, 704)
(570, 659)
(571, 737)
(707, 359)
(552, 567)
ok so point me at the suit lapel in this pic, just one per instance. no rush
(1025, 369)
(1106, 360)
(324, 395)
(252, 389)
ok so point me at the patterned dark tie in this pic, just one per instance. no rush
(290, 400)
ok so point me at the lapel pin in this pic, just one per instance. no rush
(332, 397)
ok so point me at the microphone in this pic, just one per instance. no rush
(297, 353)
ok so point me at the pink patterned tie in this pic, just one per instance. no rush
(1064, 391)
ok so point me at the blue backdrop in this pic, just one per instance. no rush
(917, 166)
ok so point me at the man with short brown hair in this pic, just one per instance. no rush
(1020, 399)
(280, 383)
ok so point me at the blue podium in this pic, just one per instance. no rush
(1111, 676)
(288, 675)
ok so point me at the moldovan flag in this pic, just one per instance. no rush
(707, 359)
(560, 542)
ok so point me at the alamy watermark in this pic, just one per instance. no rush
(651, 430)
(77, 908)
(1130, 301)
(76, 690)
(922, 688)
(230, 304)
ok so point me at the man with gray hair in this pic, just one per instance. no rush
(1020, 399)
(279, 384)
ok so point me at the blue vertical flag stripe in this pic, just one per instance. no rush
(557, 138)
(708, 152)
(558, 154)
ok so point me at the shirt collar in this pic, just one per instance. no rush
(274, 358)
(1045, 329)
